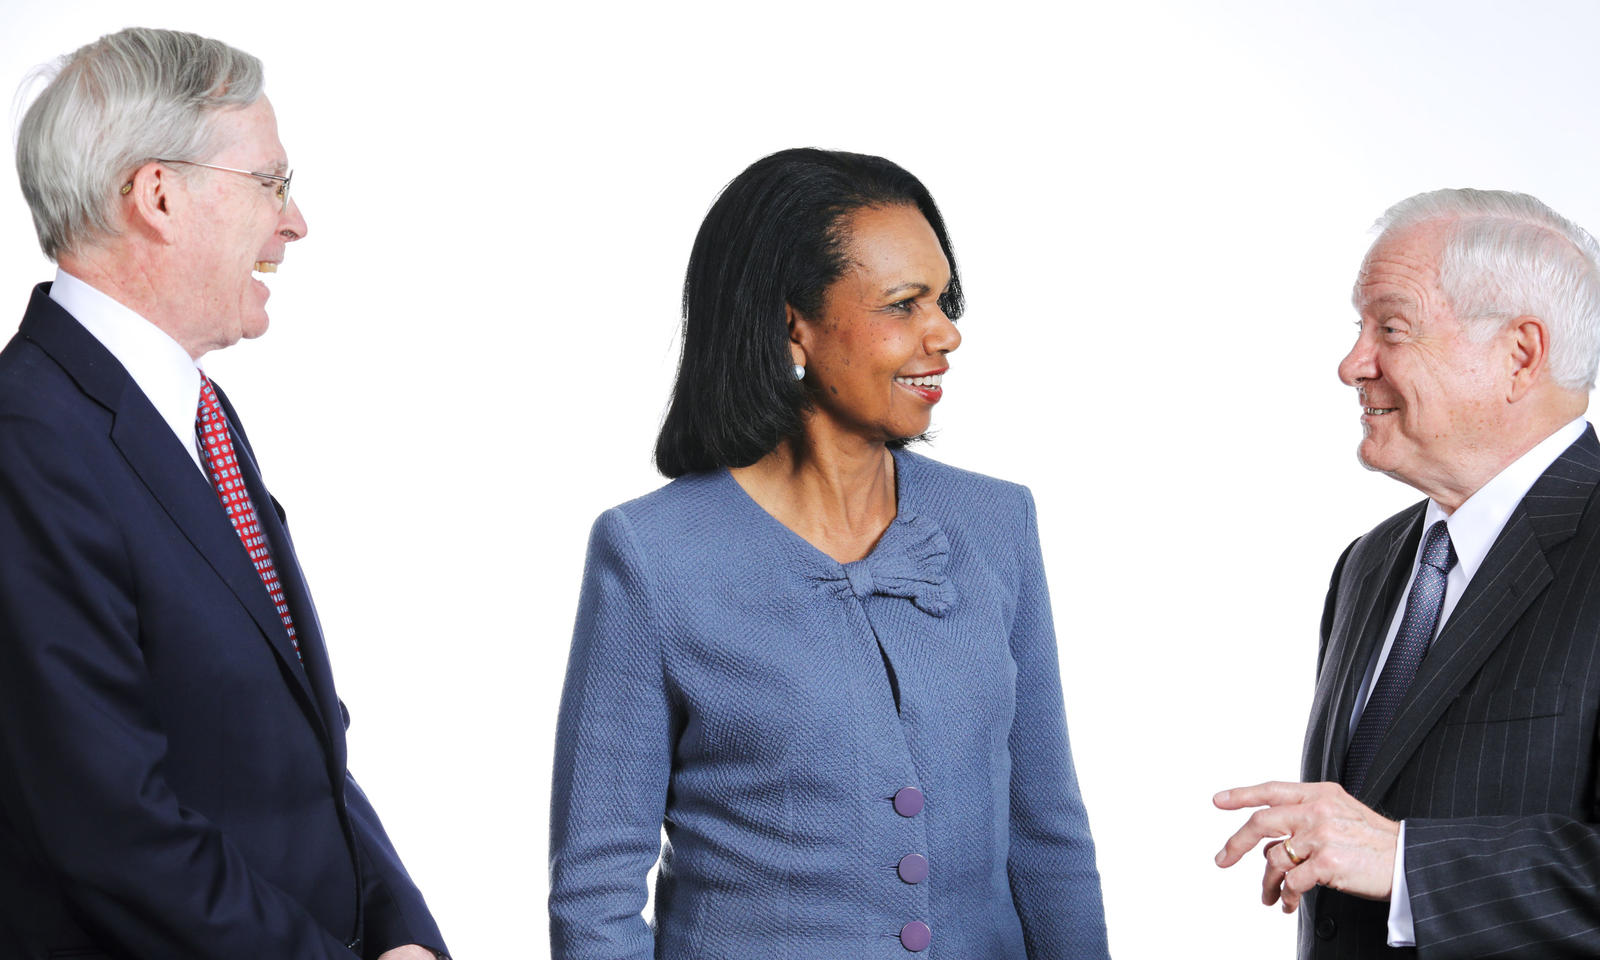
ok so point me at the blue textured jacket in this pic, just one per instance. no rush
(863, 760)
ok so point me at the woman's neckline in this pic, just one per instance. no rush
(793, 537)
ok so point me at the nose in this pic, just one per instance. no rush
(291, 225)
(1360, 363)
(943, 336)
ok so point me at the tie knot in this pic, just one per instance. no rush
(1437, 550)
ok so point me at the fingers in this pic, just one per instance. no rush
(1271, 793)
(1266, 823)
(1336, 840)
(1301, 877)
(1291, 899)
(1272, 877)
(1298, 876)
(1299, 880)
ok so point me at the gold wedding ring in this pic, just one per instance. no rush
(1290, 851)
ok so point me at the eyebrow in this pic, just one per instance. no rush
(902, 288)
(916, 288)
(1392, 300)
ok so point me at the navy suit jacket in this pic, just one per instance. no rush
(1492, 759)
(172, 778)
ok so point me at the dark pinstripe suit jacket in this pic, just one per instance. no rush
(1491, 760)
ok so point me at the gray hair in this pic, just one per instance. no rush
(1507, 255)
(112, 106)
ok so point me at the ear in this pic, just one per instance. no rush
(800, 333)
(1529, 351)
(149, 200)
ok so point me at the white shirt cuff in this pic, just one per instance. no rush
(1402, 931)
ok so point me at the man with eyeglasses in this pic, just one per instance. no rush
(172, 752)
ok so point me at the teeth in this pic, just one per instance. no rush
(1378, 411)
(937, 380)
(266, 266)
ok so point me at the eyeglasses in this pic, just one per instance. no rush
(283, 182)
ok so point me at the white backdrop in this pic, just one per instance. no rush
(1157, 208)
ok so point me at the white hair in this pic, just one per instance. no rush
(112, 106)
(1507, 255)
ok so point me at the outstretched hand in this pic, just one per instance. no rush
(1327, 837)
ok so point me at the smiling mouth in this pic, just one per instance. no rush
(933, 382)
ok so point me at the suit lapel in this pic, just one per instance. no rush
(1512, 576)
(319, 670)
(296, 592)
(1382, 581)
(164, 467)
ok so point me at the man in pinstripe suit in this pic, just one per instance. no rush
(1452, 798)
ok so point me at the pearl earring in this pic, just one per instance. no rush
(799, 371)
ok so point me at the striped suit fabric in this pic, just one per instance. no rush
(1492, 758)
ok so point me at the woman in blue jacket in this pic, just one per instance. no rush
(826, 664)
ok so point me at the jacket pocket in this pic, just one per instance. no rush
(1517, 703)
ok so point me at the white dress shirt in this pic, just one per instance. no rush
(1474, 527)
(162, 369)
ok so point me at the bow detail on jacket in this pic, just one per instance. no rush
(908, 562)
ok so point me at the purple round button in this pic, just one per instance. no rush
(915, 936)
(913, 868)
(908, 801)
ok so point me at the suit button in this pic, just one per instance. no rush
(915, 936)
(913, 868)
(1326, 928)
(908, 801)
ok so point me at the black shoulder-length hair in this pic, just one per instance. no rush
(775, 237)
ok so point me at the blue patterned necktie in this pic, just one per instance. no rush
(1411, 644)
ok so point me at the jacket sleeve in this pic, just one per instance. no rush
(612, 758)
(394, 913)
(1504, 887)
(1054, 881)
(81, 746)
(1330, 605)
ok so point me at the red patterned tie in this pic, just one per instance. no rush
(212, 429)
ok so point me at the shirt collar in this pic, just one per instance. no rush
(1476, 524)
(159, 366)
